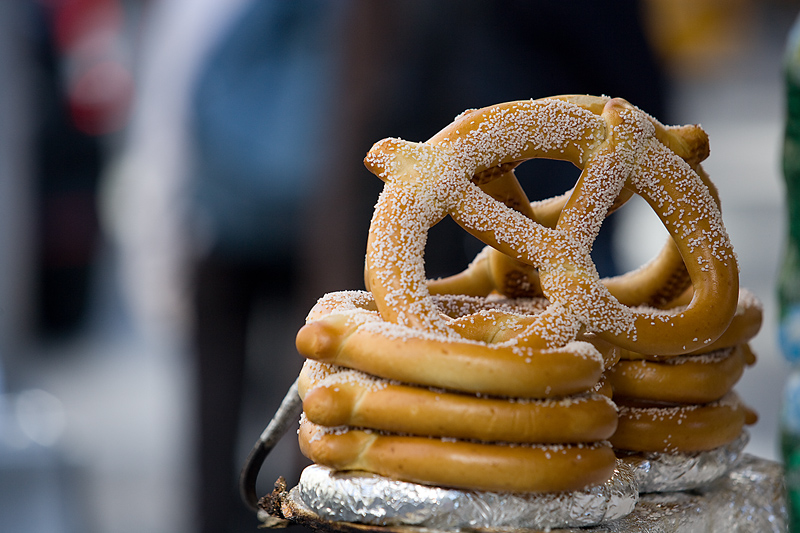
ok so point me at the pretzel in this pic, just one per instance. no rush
(619, 148)
(656, 284)
(458, 463)
(338, 397)
(670, 428)
(377, 358)
(680, 379)
(745, 324)
(343, 330)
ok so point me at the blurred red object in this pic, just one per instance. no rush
(89, 37)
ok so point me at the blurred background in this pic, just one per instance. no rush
(180, 180)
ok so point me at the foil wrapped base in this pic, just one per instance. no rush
(750, 498)
(370, 499)
(659, 472)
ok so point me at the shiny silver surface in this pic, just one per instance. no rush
(750, 498)
(656, 472)
(371, 499)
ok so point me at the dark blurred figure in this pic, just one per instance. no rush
(258, 121)
(82, 93)
(282, 111)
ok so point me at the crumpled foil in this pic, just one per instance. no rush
(370, 499)
(683, 471)
(751, 498)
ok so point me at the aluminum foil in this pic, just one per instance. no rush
(749, 499)
(683, 471)
(370, 499)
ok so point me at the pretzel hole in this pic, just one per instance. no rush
(542, 179)
(545, 178)
(450, 249)
(640, 235)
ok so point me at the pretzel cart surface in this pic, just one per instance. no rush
(526, 392)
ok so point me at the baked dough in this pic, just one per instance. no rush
(340, 397)
(460, 464)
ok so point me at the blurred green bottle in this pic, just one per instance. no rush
(789, 280)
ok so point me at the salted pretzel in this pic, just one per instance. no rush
(341, 397)
(459, 463)
(616, 148)
(672, 428)
(745, 325)
(683, 379)
(657, 284)
(497, 361)
(483, 440)
(343, 329)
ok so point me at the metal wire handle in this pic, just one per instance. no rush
(287, 414)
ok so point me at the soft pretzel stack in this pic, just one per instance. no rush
(685, 403)
(453, 413)
(501, 377)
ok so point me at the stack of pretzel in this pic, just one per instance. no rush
(527, 372)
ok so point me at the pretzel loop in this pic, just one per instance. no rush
(617, 149)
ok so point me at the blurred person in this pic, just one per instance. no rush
(65, 88)
(145, 203)
(259, 122)
(81, 95)
(261, 203)
(49, 170)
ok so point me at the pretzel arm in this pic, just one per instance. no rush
(476, 280)
(687, 428)
(691, 215)
(689, 142)
(411, 356)
(521, 130)
(681, 379)
(504, 187)
(394, 271)
(491, 271)
(745, 325)
(348, 398)
(664, 280)
(460, 464)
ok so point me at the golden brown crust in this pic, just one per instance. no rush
(660, 283)
(680, 379)
(346, 399)
(491, 271)
(460, 464)
(618, 148)
(679, 428)
(745, 325)
(473, 351)
(403, 355)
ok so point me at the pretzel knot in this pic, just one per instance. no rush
(420, 368)
(618, 149)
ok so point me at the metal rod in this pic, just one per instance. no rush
(287, 414)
